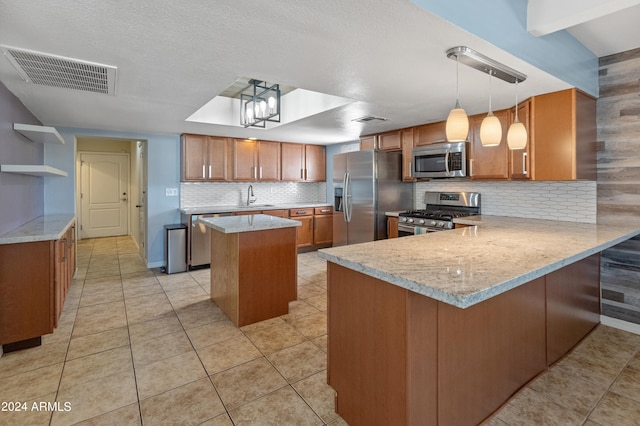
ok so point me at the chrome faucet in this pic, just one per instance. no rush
(250, 197)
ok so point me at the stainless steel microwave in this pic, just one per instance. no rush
(440, 160)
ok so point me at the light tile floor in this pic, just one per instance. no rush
(136, 346)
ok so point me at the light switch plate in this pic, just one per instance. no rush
(171, 192)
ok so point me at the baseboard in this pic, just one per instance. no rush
(620, 324)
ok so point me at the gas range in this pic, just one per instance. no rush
(441, 209)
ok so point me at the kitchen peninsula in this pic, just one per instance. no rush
(253, 266)
(443, 328)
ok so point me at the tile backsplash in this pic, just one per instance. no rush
(194, 194)
(572, 201)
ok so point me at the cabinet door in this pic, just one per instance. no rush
(392, 227)
(304, 232)
(390, 141)
(489, 162)
(430, 133)
(194, 154)
(245, 160)
(217, 154)
(406, 137)
(520, 158)
(367, 142)
(322, 229)
(268, 161)
(60, 277)
(315, 163)
(292, 161)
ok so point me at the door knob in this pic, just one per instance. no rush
(124, 199)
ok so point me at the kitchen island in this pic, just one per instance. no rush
(443, 328)
(253, 266)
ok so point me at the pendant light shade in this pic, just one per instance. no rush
(457, 128)
(517, 134)
(490, 129)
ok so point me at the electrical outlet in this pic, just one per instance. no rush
(171, 192)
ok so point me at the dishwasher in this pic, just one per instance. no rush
(200, 241)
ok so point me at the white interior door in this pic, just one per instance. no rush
(104, 194)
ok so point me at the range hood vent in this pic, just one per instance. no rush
(58, 71)
(369, 118)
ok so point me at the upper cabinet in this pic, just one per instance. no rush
(303, 163)
(390, 141)
(367, 142)
(406, 137)
(255, 160)
(564, 136)
(519, 159)
(204, 158)
(430, 133)
(488, 162)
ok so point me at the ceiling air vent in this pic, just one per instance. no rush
(58, 71)
(368, 119)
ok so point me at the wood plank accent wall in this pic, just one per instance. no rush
(619, 180)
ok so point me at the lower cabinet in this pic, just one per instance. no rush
(323, 226)
(392, 227)
(34, 281)
(305, 232)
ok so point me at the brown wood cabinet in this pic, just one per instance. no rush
(34, 281)
(255, 160)
(430, 133)
(305, 232)
(323, 226)
(390, 141)
(489, 162)
(204, 158)
(392, 227)
(424, 359)
(407, 136)
(519, 159)
(303, 163)
(564, 136)
(367, 142)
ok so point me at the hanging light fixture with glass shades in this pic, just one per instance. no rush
(491, 129)
(261, 105)
(517, 134)
(457, 128)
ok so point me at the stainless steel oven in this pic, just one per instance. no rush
(441, 209)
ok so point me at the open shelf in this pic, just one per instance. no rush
(40, 134)
(32, 170)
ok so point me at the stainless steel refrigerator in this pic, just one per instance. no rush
(366, 185)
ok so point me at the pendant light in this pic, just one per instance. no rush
(517, 134)
(490, 129)
(457, 128)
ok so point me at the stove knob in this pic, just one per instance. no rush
(403, 219)
(421, 221)
(432, 223)
(441, 224)
(410, 220)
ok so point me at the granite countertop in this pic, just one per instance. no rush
(236, 208)
(43, 228)
(466, 266)
(248, 223)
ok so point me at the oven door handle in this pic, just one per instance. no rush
(406, 228)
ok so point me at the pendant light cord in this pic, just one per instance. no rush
(516, 100)
(457, 85)
(490, 75)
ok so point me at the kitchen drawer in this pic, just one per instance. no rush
(277, 213)
(323, 210)
(301, 212)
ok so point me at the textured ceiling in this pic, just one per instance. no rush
(174, 56)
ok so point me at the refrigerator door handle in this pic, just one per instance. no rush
(347, 197)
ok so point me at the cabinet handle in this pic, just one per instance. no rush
(260, 172)
(203, 175)
(301, 212)
(470, 167)
(302, 174)
(305, 174)
(325, 211)
(524, 163)
(253, 172)
(209, 171)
